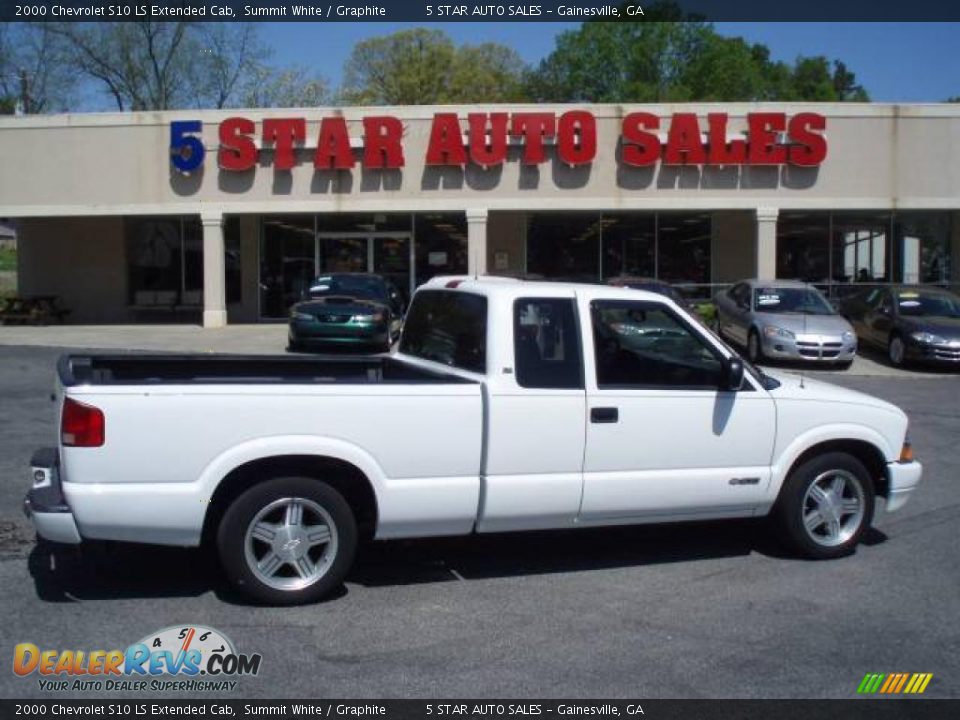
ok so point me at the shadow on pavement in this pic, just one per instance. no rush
(104, 571)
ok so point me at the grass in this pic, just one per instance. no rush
(8, 259)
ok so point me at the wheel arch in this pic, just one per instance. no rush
(349, 470)
(867, 452)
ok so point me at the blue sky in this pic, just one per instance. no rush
(896, 62)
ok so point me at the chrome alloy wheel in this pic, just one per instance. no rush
(291, 543)
(833, 507)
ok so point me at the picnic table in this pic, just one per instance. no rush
(34, 310)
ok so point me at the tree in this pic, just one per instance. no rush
(405, 68)
(141, 65)
(422, 67)
(669, 55)
(34, 70)
(169, 65)
(629, 61)
(283, 87)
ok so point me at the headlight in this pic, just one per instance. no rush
(294, 315)
(772, 331)
(375, 317)
(927, 338)
(848, 336)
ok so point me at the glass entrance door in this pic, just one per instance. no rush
(388, 254)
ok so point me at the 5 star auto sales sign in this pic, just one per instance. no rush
(484, 139)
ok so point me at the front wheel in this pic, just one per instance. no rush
(896, 351)
(287, 541)
(826, 505)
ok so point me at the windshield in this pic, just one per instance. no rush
(917, 304)
(362, 287)
(790, 300)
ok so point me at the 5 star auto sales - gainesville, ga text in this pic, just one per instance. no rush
(177, 651)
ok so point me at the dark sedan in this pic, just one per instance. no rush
(909, 323)
(355, 310)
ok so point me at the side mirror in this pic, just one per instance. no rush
(884, 310)
(731, 377)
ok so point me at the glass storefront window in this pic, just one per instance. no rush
(364, 222)
(164, 263)
(287, 262)
(683, 247)
(564, 246)
(629, 244)
(803, 246)
(923, 248)
(441, 245)
(861, 247)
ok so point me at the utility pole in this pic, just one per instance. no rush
(24, 93)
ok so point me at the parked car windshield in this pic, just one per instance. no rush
(790, 300)
(917, 303)
(363, 287)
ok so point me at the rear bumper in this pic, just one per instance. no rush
(45, 505)
(903, 479)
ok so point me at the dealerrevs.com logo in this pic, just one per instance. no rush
(190, 658)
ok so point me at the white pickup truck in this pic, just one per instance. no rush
(509, 405)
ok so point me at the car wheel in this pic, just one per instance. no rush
(287, 541)
(825, 506)
(294, 346)
(754, 349)
(896, 351)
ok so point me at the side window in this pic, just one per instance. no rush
(740, 294)
(644, 345)
(546, 343)
(447, 327)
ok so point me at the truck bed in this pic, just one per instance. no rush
(116, 369)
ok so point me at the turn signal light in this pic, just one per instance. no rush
(81, 425)
(906, 452)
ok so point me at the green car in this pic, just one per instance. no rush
(356, 310)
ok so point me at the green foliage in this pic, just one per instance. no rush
(707, 312)
(423, 67)
(669, 56)
(8, 259)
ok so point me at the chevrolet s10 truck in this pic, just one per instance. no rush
(509, 405)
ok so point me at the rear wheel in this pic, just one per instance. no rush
(287, 541)
(826, 505)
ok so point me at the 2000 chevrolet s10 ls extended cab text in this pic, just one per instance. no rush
(509, 405)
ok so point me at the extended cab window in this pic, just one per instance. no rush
(547, 343)
(447, 327)
(643, 345)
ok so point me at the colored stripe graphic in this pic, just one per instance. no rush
(894, 683)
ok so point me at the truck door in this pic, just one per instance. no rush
(662, 439)
(536, 421)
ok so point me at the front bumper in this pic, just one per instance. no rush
(45, 504)
(943, 353)
(312, 333)
(903, 479)
(809, 348)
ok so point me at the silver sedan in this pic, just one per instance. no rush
(784, 320)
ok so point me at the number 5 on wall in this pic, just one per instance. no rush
(186, 150)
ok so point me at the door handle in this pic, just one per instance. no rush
(604, 415)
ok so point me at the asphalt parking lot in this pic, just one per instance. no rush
(705, 610)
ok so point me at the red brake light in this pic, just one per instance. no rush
(81, 425)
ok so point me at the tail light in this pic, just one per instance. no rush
(81, 425)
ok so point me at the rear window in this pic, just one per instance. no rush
(449, 328)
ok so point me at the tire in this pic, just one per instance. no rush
(896, 351)
(294, 346)
(754, 348)
(818, 526)
(311, 548)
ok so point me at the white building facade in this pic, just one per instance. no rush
(226, 216)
